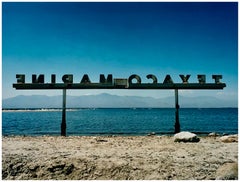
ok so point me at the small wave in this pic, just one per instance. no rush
(38, 110)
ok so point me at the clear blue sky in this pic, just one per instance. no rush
(121, 39)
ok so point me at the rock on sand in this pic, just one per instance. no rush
(213, 134)
(228, 171)
(186, 137)
(229, 138)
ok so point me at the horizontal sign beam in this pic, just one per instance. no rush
(39, 86)
(38, 82)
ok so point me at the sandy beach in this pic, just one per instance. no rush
(114, 158)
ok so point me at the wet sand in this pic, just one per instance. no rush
(114, 158)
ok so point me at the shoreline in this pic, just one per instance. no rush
(113, 157)
(145, 134)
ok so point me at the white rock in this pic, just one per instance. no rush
(186, 137)
(229, 138)
(151, 134)
(213, 134)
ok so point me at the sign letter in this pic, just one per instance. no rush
(103, 79)
(217, 78)
(168, 80)
(67, 78)
(53, 79)
(185, 78)
(153, 77)
(20, 78)
(202, 79)
(85, 79)
(40, 79)
(134, 77)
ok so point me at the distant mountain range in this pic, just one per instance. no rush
(113, 101)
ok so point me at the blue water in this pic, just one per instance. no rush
(120, 121)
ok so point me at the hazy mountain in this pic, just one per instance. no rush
(112, 101)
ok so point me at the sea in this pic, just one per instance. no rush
(118, 121)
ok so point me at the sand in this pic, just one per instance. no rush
(114, 158)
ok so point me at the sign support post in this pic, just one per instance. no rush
(63, 124)
(177, 123)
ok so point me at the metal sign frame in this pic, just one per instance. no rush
(38, 83)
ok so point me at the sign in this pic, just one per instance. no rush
(133, 82)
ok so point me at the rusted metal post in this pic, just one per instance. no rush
(63, 124)
(177, 124)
